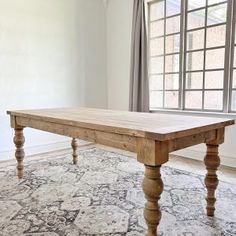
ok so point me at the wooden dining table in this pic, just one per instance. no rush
(151, 135)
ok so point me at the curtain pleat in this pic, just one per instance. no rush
(139, 86)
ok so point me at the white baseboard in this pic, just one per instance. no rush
(198, 155)
(39, 149)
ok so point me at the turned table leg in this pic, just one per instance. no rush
(19, 141)
(152, 187)
(74, 146)
(212, 162)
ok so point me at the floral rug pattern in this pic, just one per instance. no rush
(102, 196)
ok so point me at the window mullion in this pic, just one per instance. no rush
(232, 54)
(209, 50)
(204, 55)
(229, 48)
(183, 35)
(164, 57)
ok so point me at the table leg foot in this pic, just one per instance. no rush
(212, 162)
(19, 141)
(74, 146)
(152, 187)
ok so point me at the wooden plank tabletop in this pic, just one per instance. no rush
(149, 125)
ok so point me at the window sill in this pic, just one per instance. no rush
(195, 113)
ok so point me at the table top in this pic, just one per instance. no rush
(156, 126)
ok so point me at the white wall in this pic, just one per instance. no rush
(59, 53)
(119, 25)
(93, 13)
(52, 54)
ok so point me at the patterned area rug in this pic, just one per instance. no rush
(102, 196)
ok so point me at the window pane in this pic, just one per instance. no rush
(215, 58)
(172, 43)
(157, 28)
(195, 40)
(235, 34)
(193, 99)
(156, 65)
(157, 46)
(234, 56)
(193, 4)
(196, 19)
(194, 80)
(173, 7)
(156, 99)
(172, 81)
(234, 79)
(194, 61)
(172, 63)
(214, 80)
(165, 52)
(233, 102)
(156, 82)
(173, 25)
(216, 36)
(171, 99)
(157, 10)
(213, 100)
(217, 14)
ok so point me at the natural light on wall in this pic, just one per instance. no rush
(191, 64)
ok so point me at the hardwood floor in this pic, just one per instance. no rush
(225, 173)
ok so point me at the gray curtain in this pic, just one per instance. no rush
(139, 86)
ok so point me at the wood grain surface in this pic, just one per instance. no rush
(147, 125)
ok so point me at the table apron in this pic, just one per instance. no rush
(150, 152)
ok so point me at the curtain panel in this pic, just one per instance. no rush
(139, 85)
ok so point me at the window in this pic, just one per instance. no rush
(191, 55)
